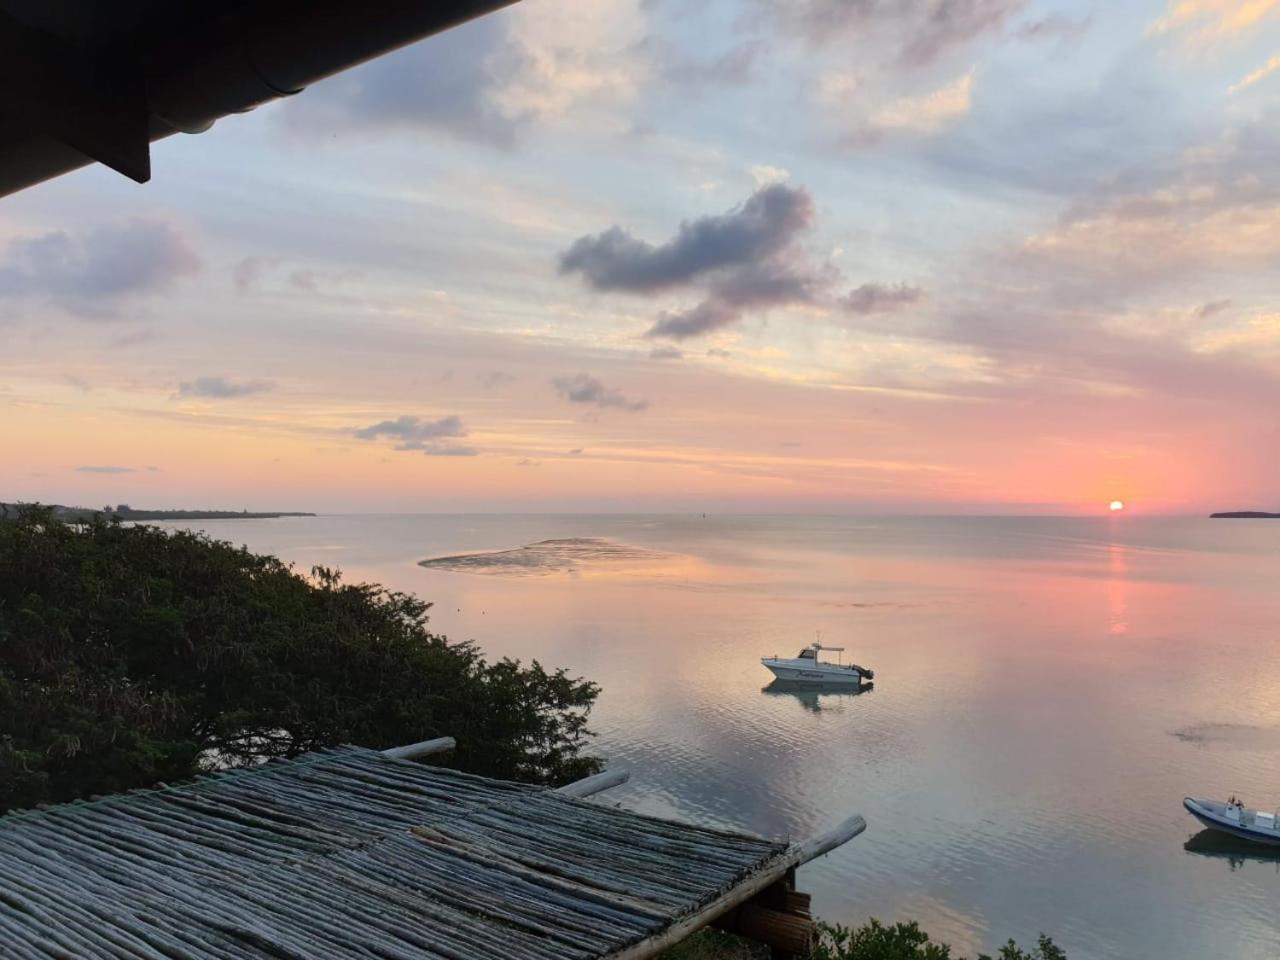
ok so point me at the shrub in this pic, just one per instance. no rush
(906, 941)
(130, 655)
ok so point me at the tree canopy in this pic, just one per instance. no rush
(131, 655)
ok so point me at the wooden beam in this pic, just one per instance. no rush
(413, 751)
(797, 903)
(589, 785)
(770, 874)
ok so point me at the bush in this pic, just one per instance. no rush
(871, 941)
(906, 941)
(130, 655)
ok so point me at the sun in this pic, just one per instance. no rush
(1115, 506)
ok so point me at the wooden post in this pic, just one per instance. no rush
(780, 891)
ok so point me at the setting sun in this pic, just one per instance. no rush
(1116, 506)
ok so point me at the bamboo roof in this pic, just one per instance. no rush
(352, 853)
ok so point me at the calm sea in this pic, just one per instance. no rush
(1047, 691)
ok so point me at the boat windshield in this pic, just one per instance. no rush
(808, 653)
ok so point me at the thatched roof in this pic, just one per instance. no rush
(353, 853)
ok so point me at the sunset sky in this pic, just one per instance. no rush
(758, 255)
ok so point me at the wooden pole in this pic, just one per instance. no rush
(770, 874)
(589, 785)
(413, 751)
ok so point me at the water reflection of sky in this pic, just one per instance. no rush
(1046, 693)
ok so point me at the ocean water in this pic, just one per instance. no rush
(1047, 690)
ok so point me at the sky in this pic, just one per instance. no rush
(883, 256)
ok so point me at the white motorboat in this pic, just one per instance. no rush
(805, 667)
(1234, 818)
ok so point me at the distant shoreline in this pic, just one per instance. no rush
(124, 512)
(1244, 515)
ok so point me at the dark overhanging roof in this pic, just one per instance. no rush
(98, 80)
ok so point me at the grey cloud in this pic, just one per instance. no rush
(248, 272)
(717, 352)
(877, 298)
(733, 67)
(526, 462)
(775, 282)
(106, 469)
(576, 451)
(744, 260)
(768, 284)
(1207, 310)
(584, 388)
(415, 433)
(666, 353)
(946, 24)
(497, 378)
(1053, 27)
(220, 388)
(133, 339)
(763, 225)
(88, 273)
(707, 316)
(451, 83)
(311, 280)
(303, 279)
(922, 31)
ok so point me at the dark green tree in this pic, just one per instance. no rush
(131, 655)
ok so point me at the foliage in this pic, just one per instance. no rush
(130, 655)
(906, 941)
(871, 941)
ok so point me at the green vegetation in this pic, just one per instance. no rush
(871, 941)
(130, 655)
(906, 941)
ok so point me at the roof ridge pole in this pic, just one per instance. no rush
(766, 876)
(413, 751)
(594, 784)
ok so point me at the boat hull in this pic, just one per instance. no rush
(1210, 814)
(797, 674)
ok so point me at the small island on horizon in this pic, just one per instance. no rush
(125, 512)
(1244, 515)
